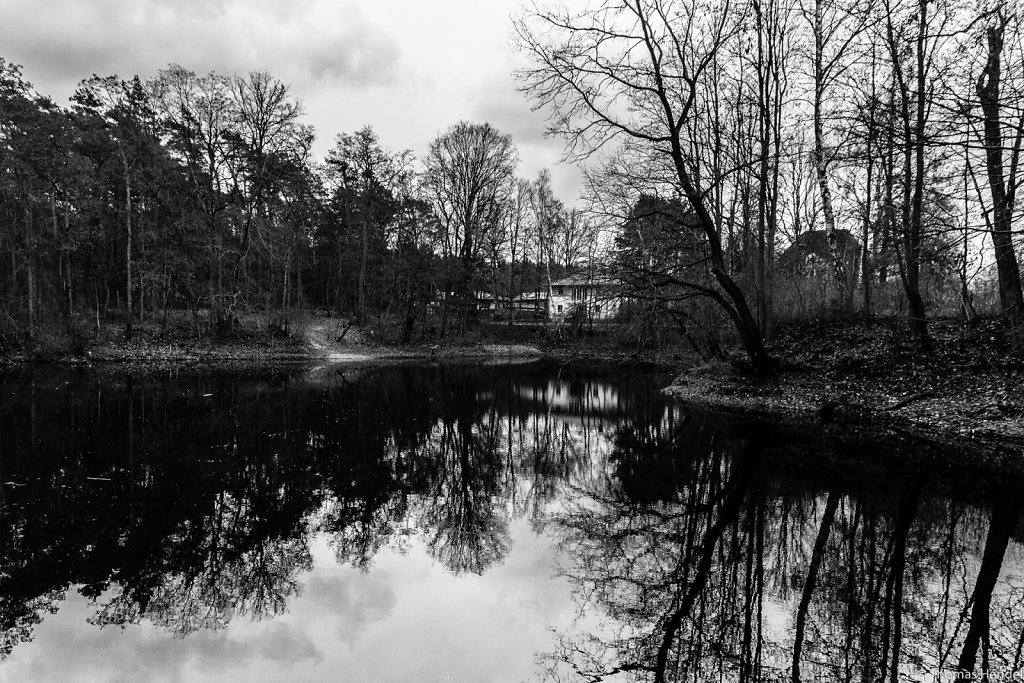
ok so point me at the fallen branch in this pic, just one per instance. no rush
(910, 399)
(341, 337)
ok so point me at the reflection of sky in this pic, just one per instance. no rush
(407, 619)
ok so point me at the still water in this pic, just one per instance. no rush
(482, 523)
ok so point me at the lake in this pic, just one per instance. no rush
(511, 522)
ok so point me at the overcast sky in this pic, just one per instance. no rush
(410, 68)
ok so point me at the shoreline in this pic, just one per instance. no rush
(967, 393)
(315, 344)
(964, 394)
(816, 408)
(285, 353)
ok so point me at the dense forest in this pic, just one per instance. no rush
(200, 194)
(746, 163)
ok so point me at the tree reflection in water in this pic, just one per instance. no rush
(699, 548)
(788, 556)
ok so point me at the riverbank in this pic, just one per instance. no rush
(969, 389)
(307, 345)
(316, 339)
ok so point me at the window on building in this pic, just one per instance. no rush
(559, 308)
(561, 292)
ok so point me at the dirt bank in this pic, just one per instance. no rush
(967, 389)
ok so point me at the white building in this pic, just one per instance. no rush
(597, 298)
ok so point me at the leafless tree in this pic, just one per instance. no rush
(633, 70)
(470, 170)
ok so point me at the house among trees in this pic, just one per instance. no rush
(597, 298)
(486, 301)
(530, 305)
(594, 298)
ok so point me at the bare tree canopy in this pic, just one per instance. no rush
(634, 71)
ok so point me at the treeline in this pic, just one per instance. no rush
(746, 163)
(872, 146)
(200, 193)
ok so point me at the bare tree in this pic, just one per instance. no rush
(267, 125)
(912, 37)
(834, 30)
(632, 70)
(470, 169)
(1002, 182)
(517, 224)
(548, 220)
(197, 111)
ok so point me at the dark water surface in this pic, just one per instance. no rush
(475, 523)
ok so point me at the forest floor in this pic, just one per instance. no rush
(968, 389)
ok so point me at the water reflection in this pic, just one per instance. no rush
(697, 548)
(778, 558)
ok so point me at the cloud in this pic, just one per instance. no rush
(409, 68)
(71, 649)
(301, 41)
(499, 103)
(359, 600)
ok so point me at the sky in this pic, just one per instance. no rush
(405, 619)
(409, 68)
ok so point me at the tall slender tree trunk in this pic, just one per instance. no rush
(812, 579)
(211, 281)
(703, 558)
(128, 246)
(773, 194)
(914, 235)
(1004, 521)
(762, 68)
(364, 256)
(30, 269)
(1010, 295)
(285, 303)
(872, 132)
(908, 244)
(836, 251)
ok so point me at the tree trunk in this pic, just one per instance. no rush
(812, 578)
(30, 271)
(1010, 296)
(364, 256)
(836, 251)
(704, 559)
(128, 246)
(1000, 528)
(735, 302)
(913, 257)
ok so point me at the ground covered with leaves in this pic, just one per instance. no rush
(967, 386)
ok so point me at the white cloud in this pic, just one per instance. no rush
(409, 68)
(307, 41)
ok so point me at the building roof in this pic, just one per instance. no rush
(537, 294)
(583, 281)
